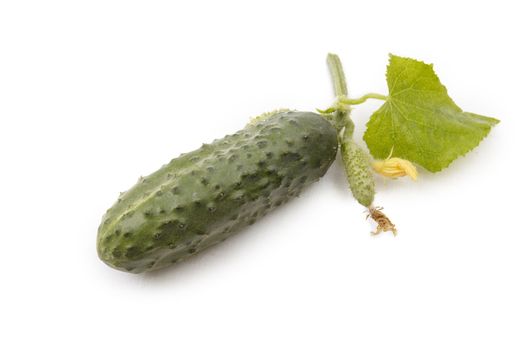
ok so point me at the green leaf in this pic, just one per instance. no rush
(420, 121)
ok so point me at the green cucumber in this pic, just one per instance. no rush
(357, 167)
(202, 197)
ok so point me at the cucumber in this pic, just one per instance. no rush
(202, 197)
(358, 169)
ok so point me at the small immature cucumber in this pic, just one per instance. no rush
(202, 197)
(358, 171)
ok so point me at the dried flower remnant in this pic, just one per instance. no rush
(383, 222)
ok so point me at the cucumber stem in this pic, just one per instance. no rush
(341, 113)
(341, 107)
(337, 74)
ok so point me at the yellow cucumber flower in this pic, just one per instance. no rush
(395, 167)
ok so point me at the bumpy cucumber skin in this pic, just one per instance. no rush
(202, 197)
(358, 171)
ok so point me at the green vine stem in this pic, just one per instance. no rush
(340, 110)
(341, 114)
(337, 74)
(364, 98)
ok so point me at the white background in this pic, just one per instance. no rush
(95, 93)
